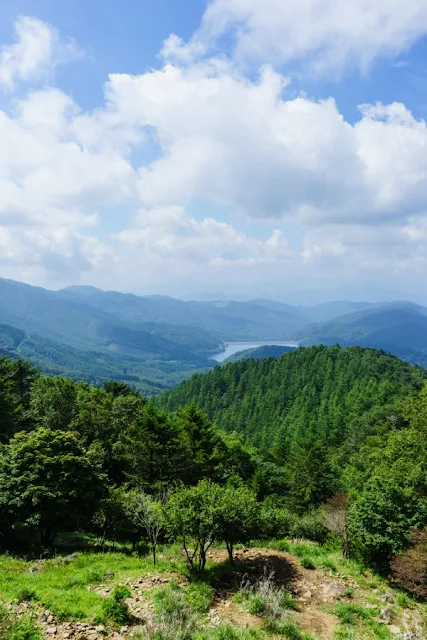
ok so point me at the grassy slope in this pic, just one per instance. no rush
(272, 606)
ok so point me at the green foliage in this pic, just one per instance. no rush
(308, 412)
(26, 595)
(227, 632)
(238, 516)
(285, 628)
(351, 613)
(192, 519)
(48, 483)
(115, 608)
(199, 596)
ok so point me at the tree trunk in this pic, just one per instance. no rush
(230, 551)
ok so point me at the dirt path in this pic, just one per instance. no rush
(310, 587)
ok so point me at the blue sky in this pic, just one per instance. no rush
(253, 148)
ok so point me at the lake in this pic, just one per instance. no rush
(235, 347)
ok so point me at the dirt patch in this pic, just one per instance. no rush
(224, 611)
(319, 623)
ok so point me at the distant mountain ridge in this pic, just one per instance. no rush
(87, 333)
(399, 328)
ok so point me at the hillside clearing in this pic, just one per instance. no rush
(268, 593)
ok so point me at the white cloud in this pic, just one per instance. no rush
(324, 36)
(249, 147)
(166, 238)
(37, 50)
(352, 191)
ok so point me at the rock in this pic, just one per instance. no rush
(335, 589)
(33, 569)
(387, 597)
(50, 619)
(100, 629)
(307, 594)
(123, 630)
(51, 630)
(371, 605)
(393, 629)
(409, 635)
(388, 614)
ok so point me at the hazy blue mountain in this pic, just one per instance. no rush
(88, 333)
(399, 328)
(226, 320)
(330, 310)
(266, 351)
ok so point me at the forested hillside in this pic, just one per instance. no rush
(335, 453)
(334, 395)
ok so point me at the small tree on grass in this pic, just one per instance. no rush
(148, 513)
(238, 516)
(192, 518)
(336, 520)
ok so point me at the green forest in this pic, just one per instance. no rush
(324, 444)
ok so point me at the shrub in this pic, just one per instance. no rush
(115, 607)
(256, 605)
(309, 527)
(26, 595)
(409, 569)
(308, 562)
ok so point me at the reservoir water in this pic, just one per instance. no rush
(235, 347)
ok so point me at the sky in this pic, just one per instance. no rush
(230, 147)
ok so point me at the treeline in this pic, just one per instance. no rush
(336, 396)
(108, 462)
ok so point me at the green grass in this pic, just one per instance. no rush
(227, 632)
(351, 613)
(62, 588)
(286, 628)
(12, 628)
(199, 596)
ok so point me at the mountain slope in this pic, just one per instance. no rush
(226, 320)
(335, 395)
(400, 328)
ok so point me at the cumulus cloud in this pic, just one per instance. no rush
(354, 193)
(250, 147)
(167, 237)
(323, 36)
(37, 50)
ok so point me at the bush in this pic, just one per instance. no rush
(309, 527)
(308, 562)
(115, 607)
(26, 595)
(409, 569)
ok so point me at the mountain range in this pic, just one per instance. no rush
(156, 341)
